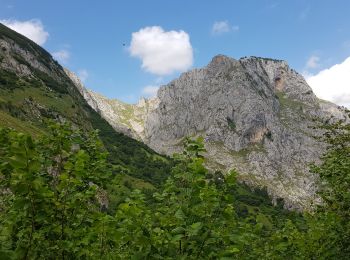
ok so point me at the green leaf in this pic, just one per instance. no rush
(196, 226)
(179, 214)
(177, 237)
(178, 230)
(18, 161)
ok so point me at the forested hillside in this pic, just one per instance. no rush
(58, 202)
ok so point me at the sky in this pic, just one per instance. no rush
(127, 49)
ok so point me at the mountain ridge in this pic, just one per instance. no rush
(255, 114)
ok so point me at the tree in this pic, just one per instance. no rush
(54, 194)
(191, 217)
(334, 171)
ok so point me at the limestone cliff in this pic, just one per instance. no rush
(254, 113)
(125, 118)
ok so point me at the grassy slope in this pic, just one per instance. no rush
(25, 103)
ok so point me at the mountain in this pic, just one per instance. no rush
(255, 114)
(35, 88)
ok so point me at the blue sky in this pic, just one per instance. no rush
(93, 38)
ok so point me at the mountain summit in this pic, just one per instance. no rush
(255, 114)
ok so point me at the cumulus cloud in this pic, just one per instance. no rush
(222, 27)
(32, 29)
(162, 52)
(62, 56)
(333, 84)
(150, 91)
(313, 62)
(83, 75)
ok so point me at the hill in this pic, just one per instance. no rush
(35, 88)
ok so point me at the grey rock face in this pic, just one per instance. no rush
(29, 60)
(125, 118)
(22, 61)
(255, 115)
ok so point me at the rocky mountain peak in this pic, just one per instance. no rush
(280, 77)
(254, 113)
(219, 62)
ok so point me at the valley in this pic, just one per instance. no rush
(238, 159)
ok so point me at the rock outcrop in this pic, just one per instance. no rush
(254, 113)
(126, 118)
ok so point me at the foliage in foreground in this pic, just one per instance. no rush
(55, 193)
(49, 189)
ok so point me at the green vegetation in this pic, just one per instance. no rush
(50, 191)
(136, 158)
(269, 135)
(97, 194)
(231, 123)
(8, 80)
(126, 113)
(23, 126)
(289, 103)
(61, 200)
(36, 104)
(58, 86)
(261, 58)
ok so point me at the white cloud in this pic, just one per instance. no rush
(32, 29)
(313, 62)
(83, 75)
(61, 56)
(333, 84)
(222, 27)
(150, 91)
(162, 52)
